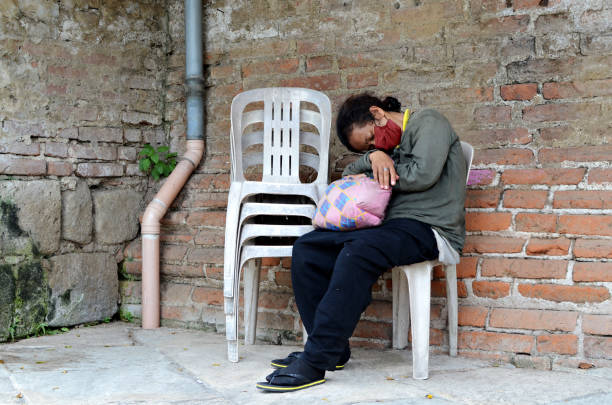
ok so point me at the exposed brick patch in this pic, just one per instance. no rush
(20, 148)
(597, 324)
(212, 255)
(561, 344)
(100, 134)
(472, 316)
(598, 347)
(523, 268)
(548, 247)
(581, 154)
(467, 267)
(492, 244)
(492, 341)
(491, 289)
(586, 224)
(520, 92)
(536, 222)
(487, 221)
(279, 66)
(55, 149)
(583, 199)
(504, 156)
(599, 176)
(543, 176)
(560, 293)
(593, 271)
(59, 168)
(493, 114)
(207, 295)
(319, 63)
(593, 248)
(560, 112)
(22, 166)
(592, 88)
(525, 198)
(482, 198)
(321, 83)
(362, 80)
(89, 151)
(438, 289)
(511, 318)
(99, 170)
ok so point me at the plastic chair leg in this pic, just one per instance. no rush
(452, 304)
(232, 351)
(420, 289)
(251, 297)
(231, 239)
(304, 334)
(230, 315)
(401, 308)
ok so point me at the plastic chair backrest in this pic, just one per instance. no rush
(468, 154)
(281, 127)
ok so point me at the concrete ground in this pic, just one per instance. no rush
(120, 363)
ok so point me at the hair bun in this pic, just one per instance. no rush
(391, 104)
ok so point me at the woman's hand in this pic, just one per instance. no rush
(383, 169)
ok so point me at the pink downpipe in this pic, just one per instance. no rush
(151, 229)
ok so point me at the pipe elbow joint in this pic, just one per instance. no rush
(195, 150)
(152, 217)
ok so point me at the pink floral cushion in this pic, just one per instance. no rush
(353, 202)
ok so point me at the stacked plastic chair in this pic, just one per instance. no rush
(413, 283)
(275, 132)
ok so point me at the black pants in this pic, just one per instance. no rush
(333, 273)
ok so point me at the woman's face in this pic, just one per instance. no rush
(361, 138)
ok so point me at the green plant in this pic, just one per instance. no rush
(13, 328)
(156, 161)
(126, 316)
(41, 329)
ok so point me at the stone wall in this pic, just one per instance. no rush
(81, 90)
(527, 82)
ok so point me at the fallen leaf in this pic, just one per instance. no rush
(1, 361)
(429, 396)
(216, 364)
(586, 366)
(65, 372)
(20, 395)
(55, 388)
(67, 347)
(40, 362)
(390, 378)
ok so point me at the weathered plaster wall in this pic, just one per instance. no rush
(527, 82)
(81, 90)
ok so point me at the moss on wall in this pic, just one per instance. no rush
(24, 291)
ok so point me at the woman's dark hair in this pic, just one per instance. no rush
(356, 111)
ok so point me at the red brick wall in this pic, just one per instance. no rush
(527, 82)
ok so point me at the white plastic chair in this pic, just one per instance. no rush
(413, 283)
(275, 133)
